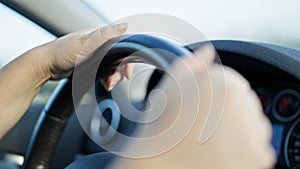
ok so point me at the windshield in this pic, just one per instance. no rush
(266, 21)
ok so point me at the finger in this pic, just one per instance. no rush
(206, 55)
(129, 70)
(111, 31)
(202, 59)
(122, 71)
(112, 80)
(97, 37)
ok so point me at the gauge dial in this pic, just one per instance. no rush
(287, 105)
(292, 147)
(265, 99)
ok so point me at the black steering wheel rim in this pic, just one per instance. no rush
(58, 110)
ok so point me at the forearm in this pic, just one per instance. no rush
(20, 82)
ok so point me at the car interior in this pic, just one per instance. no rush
(271, 67)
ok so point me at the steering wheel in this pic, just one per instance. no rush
(56, 113)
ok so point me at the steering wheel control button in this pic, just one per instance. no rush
(105, 121)
(287, 105)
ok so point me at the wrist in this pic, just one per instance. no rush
(38, 59)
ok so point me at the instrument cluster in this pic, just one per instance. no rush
(281, 103)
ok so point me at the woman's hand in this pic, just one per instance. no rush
(21, 79)
(63, 53)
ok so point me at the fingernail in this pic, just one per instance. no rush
(104, 83)
(121, 28)
(110, 87)
(113, 80)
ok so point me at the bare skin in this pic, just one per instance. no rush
(22, 79)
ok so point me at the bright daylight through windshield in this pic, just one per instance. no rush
(268, 21)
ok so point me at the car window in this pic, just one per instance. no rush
(19, 34)
(267, 21)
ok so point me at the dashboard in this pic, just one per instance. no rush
(278, 89)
